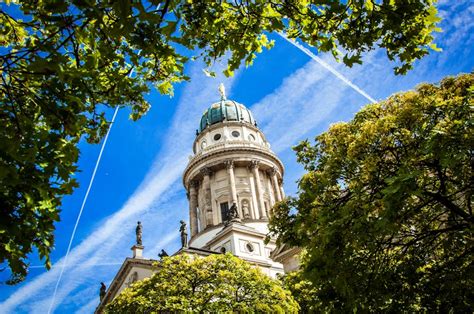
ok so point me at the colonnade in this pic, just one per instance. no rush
(275, 193)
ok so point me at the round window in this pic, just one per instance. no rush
(223, 250)
(235, 133)
(251, 137)
(249, 247)
(217, 137)
(203, 144)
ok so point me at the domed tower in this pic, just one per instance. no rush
(232, 182)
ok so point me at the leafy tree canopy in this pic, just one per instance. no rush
(62, 63)
(385, 208)
(214, 284)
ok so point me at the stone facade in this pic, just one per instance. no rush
(233, 164)
(232, 182)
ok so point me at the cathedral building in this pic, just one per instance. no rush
(232, 182)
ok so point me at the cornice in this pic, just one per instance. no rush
(120, 278)
(222, 225)
(283, 252)
(212, 154)
(237, 228)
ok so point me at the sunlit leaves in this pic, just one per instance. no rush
(213, 284)
(64, 63)
(385, 209)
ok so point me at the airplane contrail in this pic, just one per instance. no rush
(327, 67)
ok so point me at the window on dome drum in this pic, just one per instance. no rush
(235, 133)
(251, 137)
(249, 247)
(217, 137)
(203, 144)
(225, 213)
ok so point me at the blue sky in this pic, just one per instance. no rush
(292, 98)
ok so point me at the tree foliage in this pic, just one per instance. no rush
(62, 63)
(303, 291)
(385, 208)
(214, 284)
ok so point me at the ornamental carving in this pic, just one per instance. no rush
(194, 184)
(133, 278)
(245, 209)
(229, 164)
(206, 171)
(272, 171)
(254, 164)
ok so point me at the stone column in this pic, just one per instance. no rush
(192, 207)
(206, 182)
(232, 189)
(254, 210)
(281, 189)
(276, 186)
(268, 181)
(258, 186)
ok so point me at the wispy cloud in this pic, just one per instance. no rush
(109, 237)
(303, 99)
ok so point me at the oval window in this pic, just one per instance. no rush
(235, 133)
(217, 137)
(251, 137)
(203, 144)
(249, 247)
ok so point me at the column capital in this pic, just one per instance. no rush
(206, 171)
(254, 164)
(272, 171)
(229, 164)
(193, 184)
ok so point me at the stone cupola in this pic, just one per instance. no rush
(232, 165)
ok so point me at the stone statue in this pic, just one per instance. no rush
(222, 91)
(233, 214)
(162, 254)
(245, 209)
(133, 278)
(103, 289)
(138, 232)
(184, 234)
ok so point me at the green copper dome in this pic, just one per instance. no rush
(225, 110)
